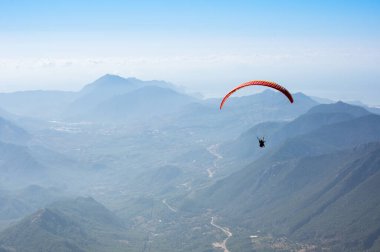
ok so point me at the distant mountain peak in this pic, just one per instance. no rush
(300, 94)
(114, 77)
(339, 107)
(270, 93)
(110, 76)
(116, 84)
(42, 215)
(109, 80)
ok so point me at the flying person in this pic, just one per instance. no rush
(261, 142)
(264, 83)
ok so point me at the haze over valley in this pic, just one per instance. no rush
(130, 165)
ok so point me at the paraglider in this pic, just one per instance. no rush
(259, 83)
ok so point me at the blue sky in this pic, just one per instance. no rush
(324, 48)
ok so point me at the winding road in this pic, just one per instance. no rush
(170, 207)
(223, 244)
(212, 149)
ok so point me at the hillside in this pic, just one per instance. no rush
(72, 225)
(325, 200)
(332, 137)
(105, 88)
(140, 104)
(308, 188)
(11, 133)
(24, 161)
(18, 167)
(204, 118)
(16, 204)
(179, 171)
(244, 147)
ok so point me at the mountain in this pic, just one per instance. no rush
(100, 90)
(332, 137)
(161, 179)
(111, 84)
(105, 88)
(314, 184)
(20, 162)
(268, 106)
(318, 187)
(18, 167)
(11, 207)
(339, 107)
(205, 119)
(81, 224)
(322, 100)
(6, 115)
(330, 200)
(277, 132)
(145, 102)
(42, 232)
(372, 109)
(55, 105)
(26, 161)
(115, 85)
(18, 203)
(165, 174)
(318, 116)
(11, 133)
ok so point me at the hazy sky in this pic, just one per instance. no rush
(325, 48)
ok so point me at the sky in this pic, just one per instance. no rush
(326, 48)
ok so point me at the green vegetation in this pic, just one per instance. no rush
(152, 177)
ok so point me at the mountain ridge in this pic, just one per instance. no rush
(80, 224)
(289, 192)
(141, 103)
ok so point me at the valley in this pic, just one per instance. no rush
(125, 164)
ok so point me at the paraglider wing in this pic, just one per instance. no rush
(259, 83)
